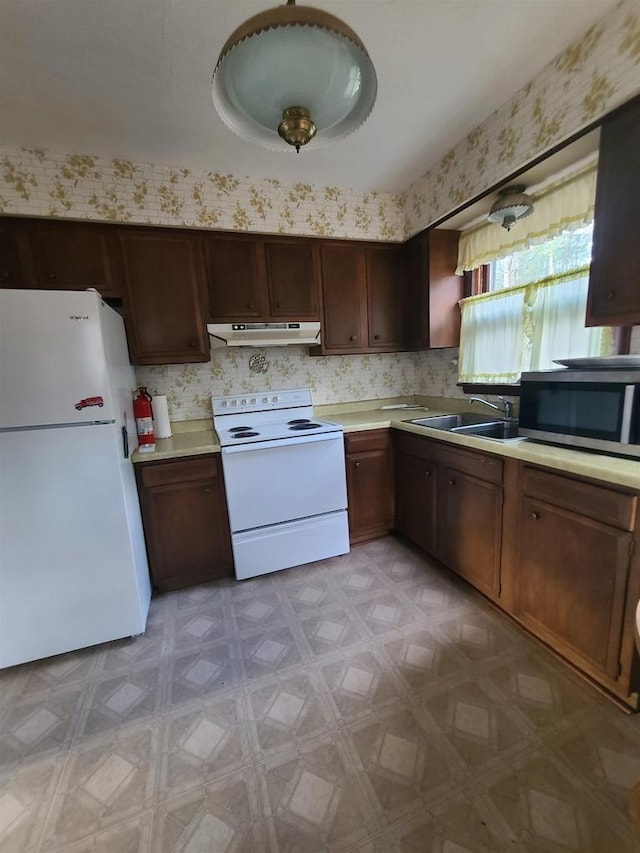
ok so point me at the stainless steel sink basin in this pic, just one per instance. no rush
(503, 430)
(450, 422)
(469, 423)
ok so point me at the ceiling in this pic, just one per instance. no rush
(131, 79)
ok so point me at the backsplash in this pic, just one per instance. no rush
(332, 379)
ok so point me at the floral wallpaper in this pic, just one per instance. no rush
(596, 73)
(334, 379)
(45, 183)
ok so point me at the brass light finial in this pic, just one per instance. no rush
(296, 127)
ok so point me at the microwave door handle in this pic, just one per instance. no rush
(627, 412)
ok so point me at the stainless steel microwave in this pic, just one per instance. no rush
(593, 409)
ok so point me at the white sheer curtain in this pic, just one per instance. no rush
(491, 337)
(557, 319)
(527, 328)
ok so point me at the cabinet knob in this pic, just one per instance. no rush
(6, 274)
(452, 482)
(356, 464)
(353, 338)
(376, 337)
(611, 295)
(207, 491)
(535, 516)
(52, 275)
(279, 305)
(427, 473)
(249, 304)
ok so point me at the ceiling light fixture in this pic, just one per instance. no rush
(511, 206)
(293, 72)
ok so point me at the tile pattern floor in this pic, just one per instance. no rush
(367, 703)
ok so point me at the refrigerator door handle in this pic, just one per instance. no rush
(125, 442)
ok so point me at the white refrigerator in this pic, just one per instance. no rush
(73, 565)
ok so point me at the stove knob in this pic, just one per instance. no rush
(224, 404)
(253, 401)
(234, 403)
(274, 399)
(243, 402)
(265, 399)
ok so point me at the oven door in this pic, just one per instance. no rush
(284, 480)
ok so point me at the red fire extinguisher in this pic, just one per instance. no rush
(143, 414)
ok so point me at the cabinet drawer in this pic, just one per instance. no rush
(374, 439)
(167, 473)
(480, 465)
(596, 502)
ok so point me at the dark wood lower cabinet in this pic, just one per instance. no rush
(369, 490)
(416, 483)
(471, 528)
(573, 563)
(185, 520)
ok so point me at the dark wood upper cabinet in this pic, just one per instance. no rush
(234, 278)
(10, 268)
(344, 293)
(432, 315)
(165, 283)
(261, 278)
(291, 268)
(362, 296)
(614, 286)
(56, 255)
(385, 297)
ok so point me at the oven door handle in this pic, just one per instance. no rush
(336, 435)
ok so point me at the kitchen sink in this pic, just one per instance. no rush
(451, 422)
(469, 423)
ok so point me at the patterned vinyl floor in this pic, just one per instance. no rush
(369, 703)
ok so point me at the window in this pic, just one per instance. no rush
(533, 308)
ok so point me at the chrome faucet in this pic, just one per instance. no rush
(508, 405)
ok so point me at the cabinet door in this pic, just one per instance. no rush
(614, 293)
(10, 270)
(164, 287)
(185, 523)
(571, 581)
(292, 279)
(446, 289)
(236, 278)
(344, 297)
(385, 298)
(369, 484)
(416, 504)
(416, 276)
(69, 256)
(433, 290)
(470, 529)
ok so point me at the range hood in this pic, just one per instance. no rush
(263, 334)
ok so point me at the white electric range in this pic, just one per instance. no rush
(285, 479)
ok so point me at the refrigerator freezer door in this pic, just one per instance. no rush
(70, 571)
(53, 359)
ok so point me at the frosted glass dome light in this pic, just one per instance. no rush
(294, 73)
(512, 205)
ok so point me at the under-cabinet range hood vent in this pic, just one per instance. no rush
(263, 334)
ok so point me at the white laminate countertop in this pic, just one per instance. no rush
(198, 437)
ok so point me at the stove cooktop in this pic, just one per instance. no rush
(273, 431)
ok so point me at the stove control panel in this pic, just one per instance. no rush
(261, 401)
